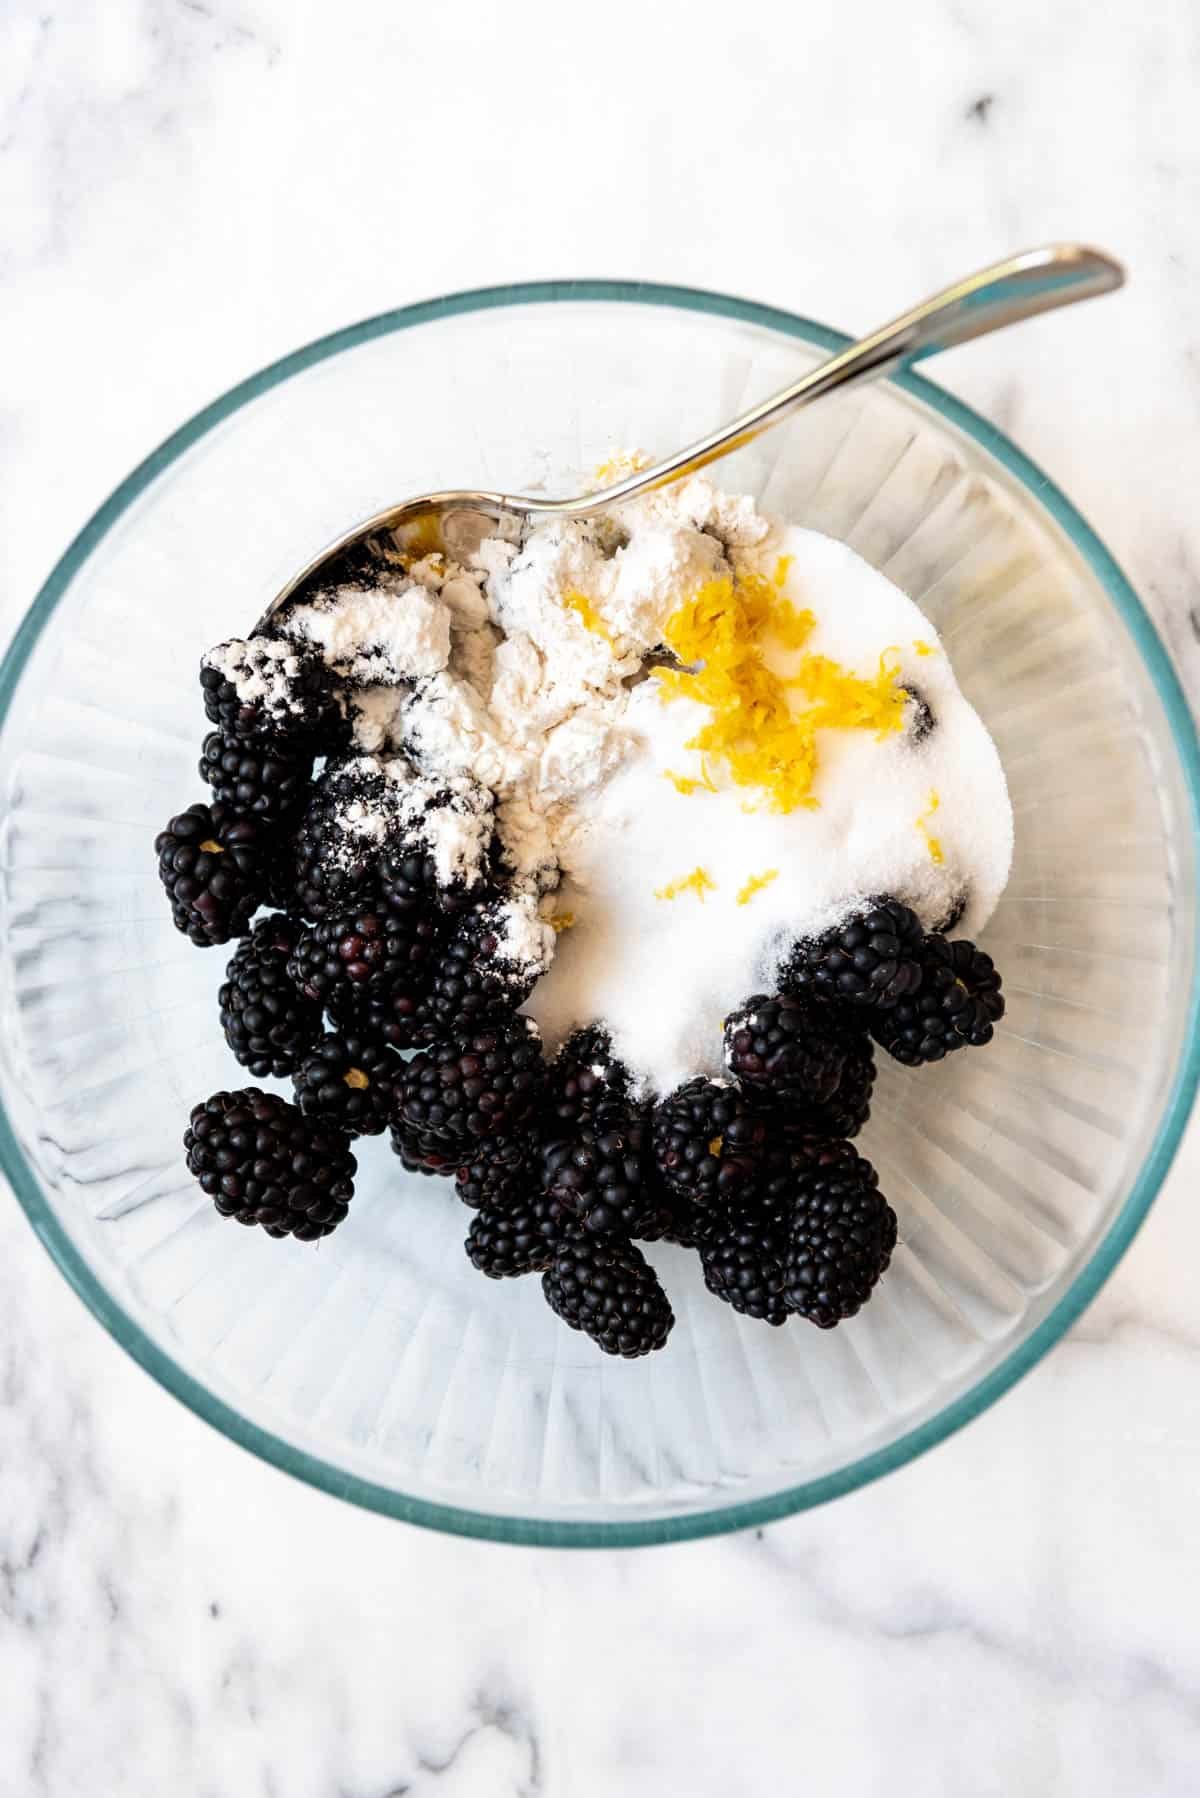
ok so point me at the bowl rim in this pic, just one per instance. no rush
(559, 1532)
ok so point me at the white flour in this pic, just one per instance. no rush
(393, 632)
(513, 683)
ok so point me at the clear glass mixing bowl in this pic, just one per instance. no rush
(379, 1365)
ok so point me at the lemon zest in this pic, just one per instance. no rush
(755, 884)
(355, 1077)
(716, 1144)
(619, 467)
(752, 731)
(932, 843)
(560, 921)
(691, 783)
(698, 882)
(211, 847)
(586, 612)
(924, 649)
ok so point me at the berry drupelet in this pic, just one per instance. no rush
(607, 1289)
(958, 1004)
(349, 1081)
(214, 866)
(268, 1023)
(871, 960)
(261, 1161)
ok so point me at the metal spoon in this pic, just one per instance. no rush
(1020, 287)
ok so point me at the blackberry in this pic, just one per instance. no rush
(783, 1047)
(268, 1024)
(709, 1141)
(604, 1175)
(956, 1007)
(420, 1152)
(482, 1084)
(744, 1255)
(871, 960)
(607, 1289)
(213, 864)
(291, 698)
(849, 1108)
(354, 956)
(499, 1167)
(259, 779)
(349, 1081)
(333, 867)
(516, 1235)
(840, 1240)
(583, 1075)
(262, 1162)
(474, 982)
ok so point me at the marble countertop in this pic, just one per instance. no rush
(188, 188)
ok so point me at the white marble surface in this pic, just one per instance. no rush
(189, 188)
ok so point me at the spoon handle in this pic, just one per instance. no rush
(1020, 287)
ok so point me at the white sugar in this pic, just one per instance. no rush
(664, 973)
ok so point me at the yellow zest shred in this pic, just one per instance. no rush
(587, 614)
(753, 731)
(560, 921)
(356, 1078)
(211, 847)
(619, 467)
(698, 882)
(716, 1144)
(924, 649)
(755, 884)
(932, 843)
(689, 783)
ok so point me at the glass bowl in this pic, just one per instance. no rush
(379, 1365)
